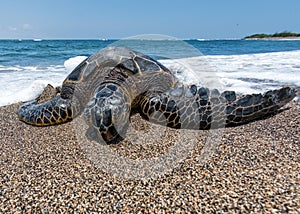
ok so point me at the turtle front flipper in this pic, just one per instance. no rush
(52, 112)
(256, 106)
(189, 107)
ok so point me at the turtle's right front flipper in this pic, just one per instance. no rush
(52, 112)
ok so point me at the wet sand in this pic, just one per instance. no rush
(254, 168)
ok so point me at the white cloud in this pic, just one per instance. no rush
(26, 26)
(11, 28)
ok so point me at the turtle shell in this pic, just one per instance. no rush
(131, 61)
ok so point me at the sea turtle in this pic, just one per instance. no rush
(111, 85)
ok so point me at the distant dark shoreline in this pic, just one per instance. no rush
(276, 36)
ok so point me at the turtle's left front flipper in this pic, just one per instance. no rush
(189, 107)
(255, 106)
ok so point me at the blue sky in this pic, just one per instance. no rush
(210, 19)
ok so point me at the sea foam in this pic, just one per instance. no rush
(71, 63)
(247, 73)
(26, 83)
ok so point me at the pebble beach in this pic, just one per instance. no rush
(255, 168)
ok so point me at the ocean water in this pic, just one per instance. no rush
(27, 66)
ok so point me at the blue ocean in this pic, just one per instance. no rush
(246, 66)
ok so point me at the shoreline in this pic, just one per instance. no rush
(254, 168)
(275, 38)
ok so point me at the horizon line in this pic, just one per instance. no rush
(107, 39)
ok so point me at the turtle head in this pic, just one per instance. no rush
(107, 114)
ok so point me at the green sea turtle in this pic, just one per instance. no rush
(111, 85)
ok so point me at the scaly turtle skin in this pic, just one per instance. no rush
(115, 82)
